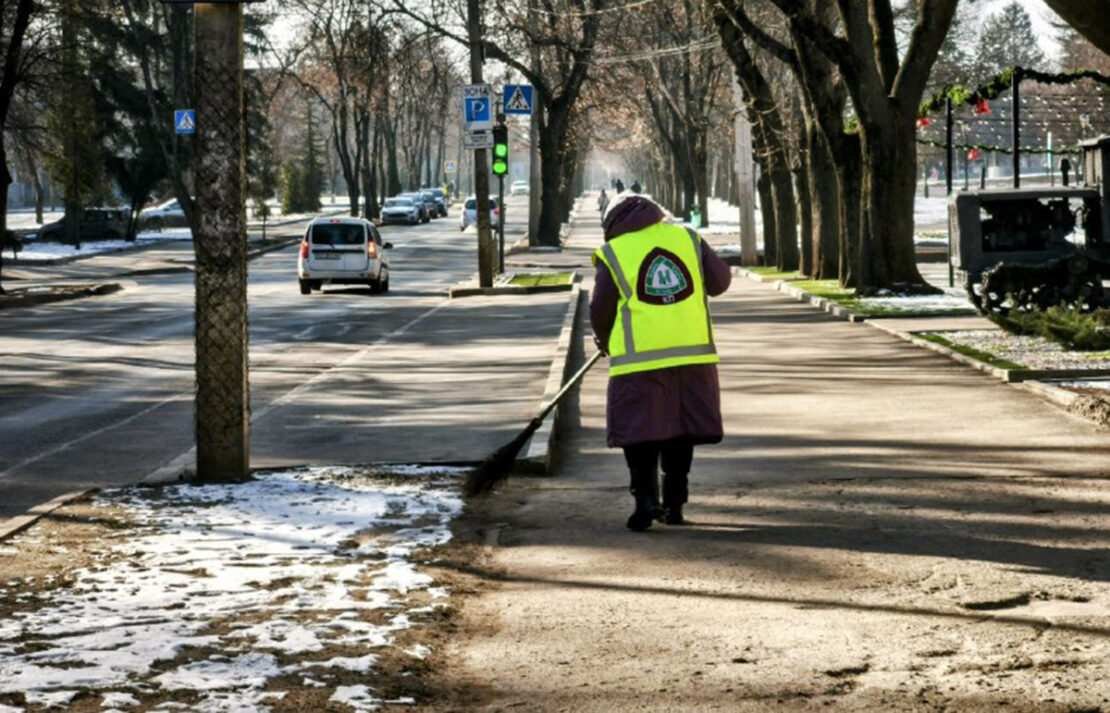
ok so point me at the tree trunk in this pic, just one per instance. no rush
(550, 222)
(5, 182)
(849, 180)
(39, 195)
(825, 196)
(886, 251)
(393, 173)
(800, 171)
(767, 210)
(701, 176)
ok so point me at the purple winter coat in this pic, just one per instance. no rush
(657, 405)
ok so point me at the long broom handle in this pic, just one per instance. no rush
(571, 383)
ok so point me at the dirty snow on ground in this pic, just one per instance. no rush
(1102, 385)
(953, 301)
(34, 250)
(275, 577)
(931, 211)
(1029, 351)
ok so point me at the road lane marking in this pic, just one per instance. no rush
(175, 466)
(91, 434)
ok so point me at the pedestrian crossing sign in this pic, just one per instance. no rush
(185, 121)
(517, 99)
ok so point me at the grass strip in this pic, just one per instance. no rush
(976, 354)
(773, 273)
(541, 279)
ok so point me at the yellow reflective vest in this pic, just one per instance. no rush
(663, 313)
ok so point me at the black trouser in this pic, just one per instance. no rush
(643, 461)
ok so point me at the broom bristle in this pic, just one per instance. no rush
(497, 467)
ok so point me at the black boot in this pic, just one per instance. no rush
(675, 494)
(647, 504)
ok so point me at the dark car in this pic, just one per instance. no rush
(95, 224)
(426, 209)
(438, 201)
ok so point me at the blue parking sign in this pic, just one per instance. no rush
(477, 106)
(185, 121)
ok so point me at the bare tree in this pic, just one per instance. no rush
(16, 17)
(566, 34)
(885, 87)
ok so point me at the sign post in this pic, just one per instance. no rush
(478, 115)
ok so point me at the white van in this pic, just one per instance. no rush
(343, 251)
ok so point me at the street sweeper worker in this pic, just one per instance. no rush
(650, 313)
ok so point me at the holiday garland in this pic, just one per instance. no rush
(997, 148)
(999, 83)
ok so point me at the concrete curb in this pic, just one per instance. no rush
(538, 452)
(34, 300)
(508, 289)
(19, 523)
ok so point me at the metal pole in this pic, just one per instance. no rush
(222, 401)
(949, 166)
(481, 164)
(501, 221)
(949, 151)
(1016, 100)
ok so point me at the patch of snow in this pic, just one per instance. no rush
(357, 697)
(420, 651)
(50, 699)
(117, 699)
(277, 559)
(426, 470)
(34, 251)
(930, 211)
(1088, 384)
(922, 303)
(10, 709)
(361, 664)
(246, 671)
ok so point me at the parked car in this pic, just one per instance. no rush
(167, 214)
(437, 200)
(343, 251)
(429, 202)
(95, 224)
(401, 210)
(519, 188)
(470, 212)
(418, 198)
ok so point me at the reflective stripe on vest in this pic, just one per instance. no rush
(682, 344)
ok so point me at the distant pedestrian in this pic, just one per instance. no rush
(602, 203)
(619, 186)
(637, 188)
(664, 396)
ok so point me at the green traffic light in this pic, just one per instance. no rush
(501, 150)
(500, 167)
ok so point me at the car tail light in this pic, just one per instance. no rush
(372, 250)
(304, 248)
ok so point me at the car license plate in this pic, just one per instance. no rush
(327, 256)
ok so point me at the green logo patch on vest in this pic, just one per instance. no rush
(664, 279)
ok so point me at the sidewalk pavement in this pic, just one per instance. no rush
(882, 529)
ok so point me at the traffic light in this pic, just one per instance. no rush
(500, 150)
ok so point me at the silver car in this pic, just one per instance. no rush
(343, 251)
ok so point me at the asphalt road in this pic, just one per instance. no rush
(98, 392)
